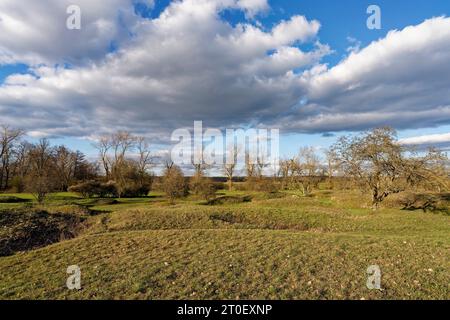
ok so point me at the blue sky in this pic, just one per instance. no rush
(343, 24)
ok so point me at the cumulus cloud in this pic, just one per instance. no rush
(441, 140)
(189, 64)
(185, 65)
(401, 80)
(35, 32)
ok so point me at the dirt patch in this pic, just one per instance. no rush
(30, 229)
(230, 199)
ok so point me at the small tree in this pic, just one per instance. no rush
(174, 184)
(230, 164)
(41, 179)
(331, 166)
(203, 187)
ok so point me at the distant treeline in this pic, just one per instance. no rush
(372, 161)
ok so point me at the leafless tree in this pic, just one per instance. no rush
(381, 164)
(331, 165)
(65, 165)
(103, 146)
(41, 179)
(230, 163)
(145, 159)
(8, 137)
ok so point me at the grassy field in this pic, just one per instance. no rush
(279, 246)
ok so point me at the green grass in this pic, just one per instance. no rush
(285, 247)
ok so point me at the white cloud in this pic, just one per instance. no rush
(34, 32)
(189, 64)
(401, 80)
(427, 139)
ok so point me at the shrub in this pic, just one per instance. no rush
(135, 190)
(203, 187)
(266, 185)
(173, 183)
(92, 188)
(18, 184)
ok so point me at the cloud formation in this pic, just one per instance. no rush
(441, 140)
(34, 32)
(401, 80)
(189, 64)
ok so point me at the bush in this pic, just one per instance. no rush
(135, 190)
(173, 183)
(17, 184)
(203, 187)
(266, 185)
(90, 189)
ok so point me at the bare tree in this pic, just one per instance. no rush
(230, 163)
(284, 172)
(250, 166)
(8, 137)
(103, 146)
(381, 164)
(121, 142)
(65, 165)
(309, 161)
(20, 165)
(332, 165)
(261, 164)
(145, 159)
(41, 178)
(198, 162)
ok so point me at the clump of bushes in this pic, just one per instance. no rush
(203, 187)
(174, 184)
(133, 190)
(266, 185)
(93, 188)
(427, 202)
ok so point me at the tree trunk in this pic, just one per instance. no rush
(375, 199)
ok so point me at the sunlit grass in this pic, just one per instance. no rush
(274, 247)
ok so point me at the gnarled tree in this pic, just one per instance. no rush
(376, 160)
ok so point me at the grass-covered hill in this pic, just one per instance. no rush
(278, 246)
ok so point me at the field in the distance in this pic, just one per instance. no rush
(283, 246)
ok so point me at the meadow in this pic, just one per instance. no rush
(278, 245)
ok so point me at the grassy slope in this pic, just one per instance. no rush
(288, 248)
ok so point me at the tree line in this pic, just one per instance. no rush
(372, 161)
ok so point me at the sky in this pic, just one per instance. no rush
(312, 69)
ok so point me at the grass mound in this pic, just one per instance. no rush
(26, 230)
(273, 247)
(229, 264)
